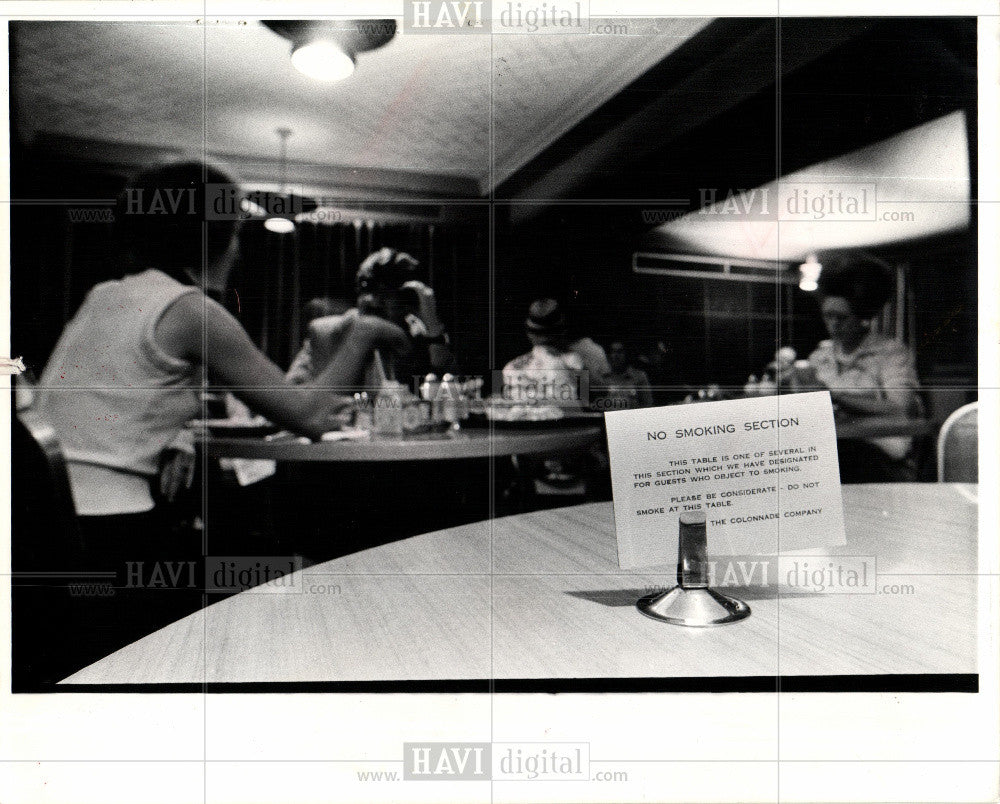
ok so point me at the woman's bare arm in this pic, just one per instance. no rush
(201, 330)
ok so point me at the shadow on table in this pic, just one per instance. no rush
(628, 597)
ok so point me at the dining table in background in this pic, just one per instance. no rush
(539, 599)
(865, 427)
(466, 443)
(483, 442)
(328, 498)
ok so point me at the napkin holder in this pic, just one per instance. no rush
(692, 602)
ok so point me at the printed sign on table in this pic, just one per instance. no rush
(764, 471)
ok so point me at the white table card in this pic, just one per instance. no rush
(763, 470)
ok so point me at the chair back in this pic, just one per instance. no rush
(46, 547)
(958, 446)
(45, 529)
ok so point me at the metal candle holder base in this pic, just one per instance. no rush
(692, 602)
(694, 607)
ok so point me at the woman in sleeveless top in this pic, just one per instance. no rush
(125, 377)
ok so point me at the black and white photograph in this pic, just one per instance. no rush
(572, 403)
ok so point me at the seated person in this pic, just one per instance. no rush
(627, 386)
(388, 287)
(126, 375)
(595, 361)
(322, 306)
(867, 373)
(551, 371)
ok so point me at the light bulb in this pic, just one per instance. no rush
(323, 60)
(809, 272)
(279, 225)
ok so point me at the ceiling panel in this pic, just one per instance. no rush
(420, 104)
(912, 186)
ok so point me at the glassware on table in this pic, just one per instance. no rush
(767, 386)
(416, 413)
(428, 393)
(449, 401)
(804, 376)
(388, 412)
(363, 415)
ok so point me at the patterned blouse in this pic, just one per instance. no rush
(880, 368)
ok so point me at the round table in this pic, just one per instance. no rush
(468, 443)
(540, 596)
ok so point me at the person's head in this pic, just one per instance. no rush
(618, 356)
(850, 298)
(545, 324)
(379, 283)
(181, 218)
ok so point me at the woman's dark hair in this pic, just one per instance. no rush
(161, 212)
(385, 270)
(866, 287)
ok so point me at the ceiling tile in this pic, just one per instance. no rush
(421, 103)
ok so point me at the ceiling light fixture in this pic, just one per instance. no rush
(327, 50)
(323, 60)
(277, 223)
(809, 272)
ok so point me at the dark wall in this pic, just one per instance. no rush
(54, 262)
(56, 257)
(277, 275)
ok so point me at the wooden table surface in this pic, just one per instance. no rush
(539, 596)
(467, 443)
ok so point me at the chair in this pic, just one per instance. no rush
(45, 548)
(43, 512)
(958, 446)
